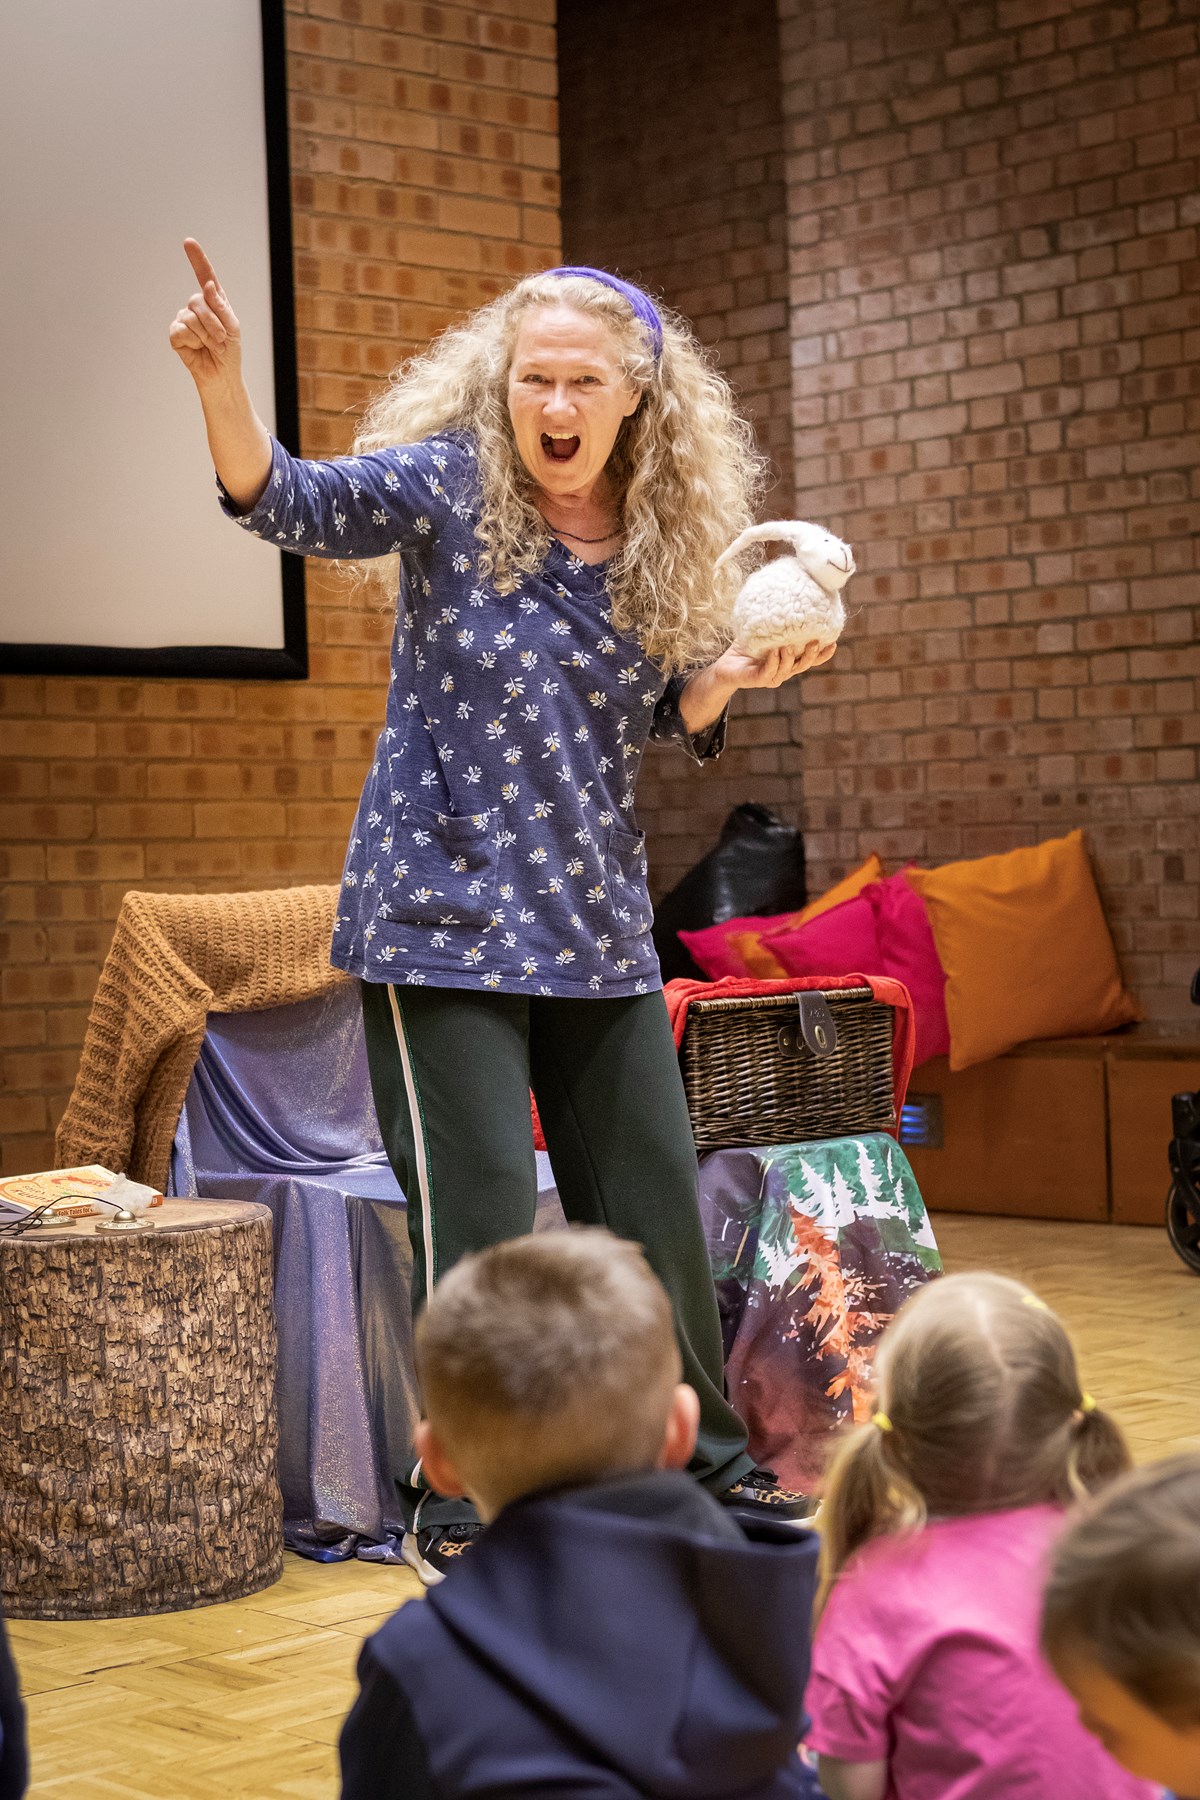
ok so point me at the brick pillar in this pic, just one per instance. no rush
(995, 319)
(673, 174)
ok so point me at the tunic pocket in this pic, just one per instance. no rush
(626, 864)
(444, 867)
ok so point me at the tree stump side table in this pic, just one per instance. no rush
(137, 1415)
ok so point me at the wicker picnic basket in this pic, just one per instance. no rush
(787, 1068)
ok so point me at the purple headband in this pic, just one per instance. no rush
(644, 308)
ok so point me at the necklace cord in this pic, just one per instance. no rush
(577, 537)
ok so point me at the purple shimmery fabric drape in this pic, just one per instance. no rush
(279, 1110)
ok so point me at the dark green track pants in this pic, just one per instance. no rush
(451, 1072)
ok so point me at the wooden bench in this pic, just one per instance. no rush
(1076, 1128)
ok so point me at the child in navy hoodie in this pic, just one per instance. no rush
(615, 1632)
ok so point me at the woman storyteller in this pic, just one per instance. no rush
(546, 490)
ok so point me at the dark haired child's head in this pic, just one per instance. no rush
(1121, 1621)
(549, 1361)
(980, 1410)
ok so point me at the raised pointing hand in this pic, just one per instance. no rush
(205, 334)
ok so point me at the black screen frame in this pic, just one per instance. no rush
(193, 662)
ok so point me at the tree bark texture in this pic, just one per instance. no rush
(138, 1432)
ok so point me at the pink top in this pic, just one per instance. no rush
(927, 1655)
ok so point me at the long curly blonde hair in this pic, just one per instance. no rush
(686, 470)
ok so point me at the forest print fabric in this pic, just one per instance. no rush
(813, 1248)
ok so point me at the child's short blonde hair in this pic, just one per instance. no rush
(1124, 1589)
(984, 1411)
(550, 1360)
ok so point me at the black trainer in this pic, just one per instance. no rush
(433, 1550)
(760, 1495)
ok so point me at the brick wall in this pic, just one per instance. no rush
(424, 152)
(995, 296)
(672, 171)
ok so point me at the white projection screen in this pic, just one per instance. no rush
(125, 128)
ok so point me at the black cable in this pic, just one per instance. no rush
(26, 1221)
(31, 1220)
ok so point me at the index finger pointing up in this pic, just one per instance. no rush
(200, 263)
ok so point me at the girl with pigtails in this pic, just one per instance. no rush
(927, 1681)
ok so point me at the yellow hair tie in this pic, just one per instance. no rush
(1032, 1300)
(881, 1421)
(1087, 1403)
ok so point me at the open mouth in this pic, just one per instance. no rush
(559, 448)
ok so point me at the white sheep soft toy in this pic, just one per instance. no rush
(795, 600)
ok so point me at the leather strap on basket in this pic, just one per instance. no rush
(812, 1024)
(818, 1027)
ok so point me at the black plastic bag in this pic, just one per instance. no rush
(756, 866)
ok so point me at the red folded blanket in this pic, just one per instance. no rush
(680, 994)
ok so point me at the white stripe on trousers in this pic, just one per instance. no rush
(418, 1130)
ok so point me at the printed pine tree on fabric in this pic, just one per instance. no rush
(733, 1246)
(776, 1260)
(888, 1192)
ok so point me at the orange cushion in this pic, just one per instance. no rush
(1026, 949)
(754, 947)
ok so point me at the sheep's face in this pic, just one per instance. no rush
(819, 553)
(828, 560)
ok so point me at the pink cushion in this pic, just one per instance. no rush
(717, 949)
(842, 941)
(739, 946)
(910, 955)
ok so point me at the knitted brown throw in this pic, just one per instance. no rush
(174, 959)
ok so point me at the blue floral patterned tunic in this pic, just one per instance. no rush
(495, 844)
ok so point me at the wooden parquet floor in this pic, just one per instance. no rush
(247, 1699)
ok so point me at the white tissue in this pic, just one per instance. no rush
(131, 1194)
